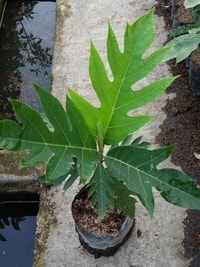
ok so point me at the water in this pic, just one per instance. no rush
(17, 231)
(26, 49)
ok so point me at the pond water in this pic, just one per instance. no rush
(17, 229)
(26, 49)
(27, 31)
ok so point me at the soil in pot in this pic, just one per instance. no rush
(85, 214)
(195, 57)
(100, 236)
(181, 16)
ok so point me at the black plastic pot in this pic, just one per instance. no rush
(103, 245)
(174, 8)
(194, 78)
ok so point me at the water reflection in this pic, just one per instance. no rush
(17, 230)
(26, 43)
(17, 241)
(12, 221)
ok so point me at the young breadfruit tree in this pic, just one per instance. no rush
(93, 143)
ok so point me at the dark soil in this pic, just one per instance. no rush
(185, 16)
(85, 215)
(196, 57)
(182, 127)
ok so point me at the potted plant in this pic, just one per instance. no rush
(94, 143)
(185, 42)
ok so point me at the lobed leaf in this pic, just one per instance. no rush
(137, 168)
(67, 137)
(117, 95)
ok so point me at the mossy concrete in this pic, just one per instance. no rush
(10, 164)
(46, 219)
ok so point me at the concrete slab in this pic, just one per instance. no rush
(57, 243)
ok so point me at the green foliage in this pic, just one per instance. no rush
(191, 3)
(69, 137)
(72, 140)
(116, 96)
(127, 202)
(183, 29)
(186, 37)
(102, 190)
(137, 168)
(182, 46)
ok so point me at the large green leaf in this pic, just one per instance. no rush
(117, 95)
(68, 137)
(137, 168)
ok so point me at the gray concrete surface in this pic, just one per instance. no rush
(57, 243)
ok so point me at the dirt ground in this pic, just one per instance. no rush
(182, 127)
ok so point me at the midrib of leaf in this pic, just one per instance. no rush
(45, 143)
(123, 77)
(118, 95)
(55, 145)
(154, 178)
(142, 193)
(44, 139)
(139, 171)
